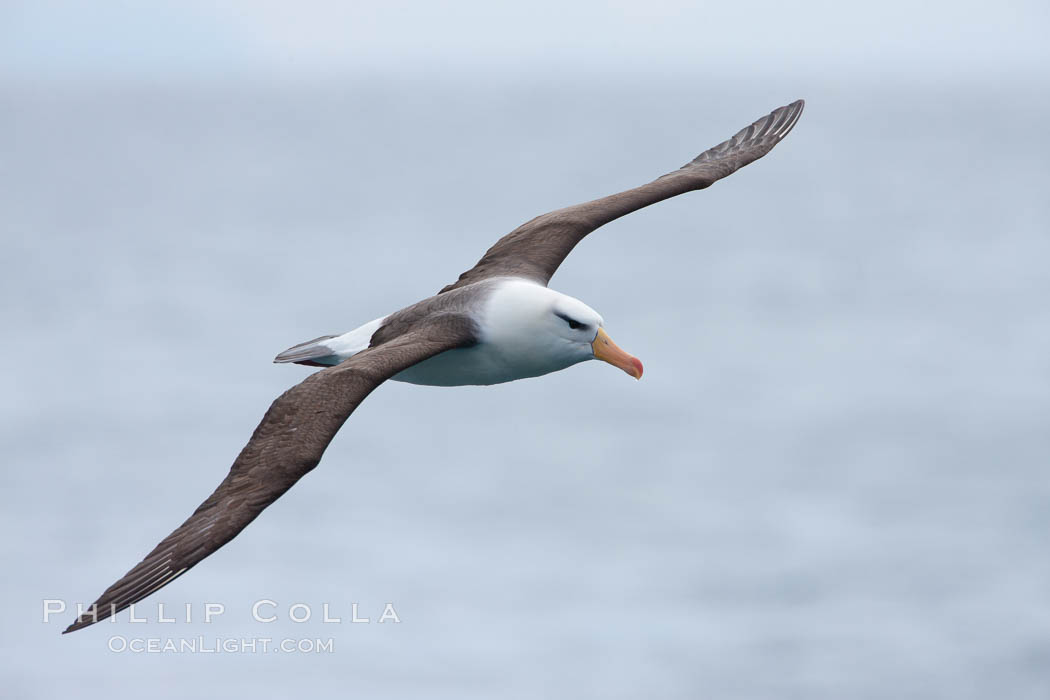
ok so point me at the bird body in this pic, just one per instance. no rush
(498, 322)
(523, 331)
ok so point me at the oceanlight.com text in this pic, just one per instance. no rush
(219, 645)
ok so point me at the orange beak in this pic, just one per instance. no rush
(607, 351)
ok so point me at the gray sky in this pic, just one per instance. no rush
(193, 40)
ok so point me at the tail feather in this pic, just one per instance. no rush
(330, 350)
(313, 353)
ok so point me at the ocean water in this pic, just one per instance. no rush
(831, 482)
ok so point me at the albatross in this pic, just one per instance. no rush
(498, 322)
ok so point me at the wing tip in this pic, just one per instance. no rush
(140, 590)
(75, 626)
(96, 613)
(793, 111)
(760, 136)
(85, 620)
(779, 122)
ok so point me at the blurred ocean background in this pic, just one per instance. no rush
(832, 481)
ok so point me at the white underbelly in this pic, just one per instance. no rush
(480, 364)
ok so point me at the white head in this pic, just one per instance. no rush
(537, 330)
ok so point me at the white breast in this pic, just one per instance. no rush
(516, 341)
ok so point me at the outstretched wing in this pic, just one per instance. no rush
(536, 249)
(287, 444)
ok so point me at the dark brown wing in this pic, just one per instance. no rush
(536, 249)
(287, 444)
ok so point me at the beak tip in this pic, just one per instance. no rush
(604, 349)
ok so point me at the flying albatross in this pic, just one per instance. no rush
(497, 323)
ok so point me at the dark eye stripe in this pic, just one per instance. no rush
(573, 323)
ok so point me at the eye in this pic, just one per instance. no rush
(573, 323)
